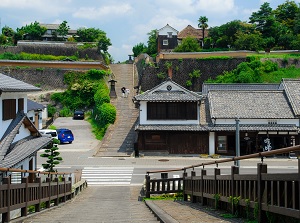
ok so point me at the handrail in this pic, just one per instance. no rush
(2, 169)
(254, 155)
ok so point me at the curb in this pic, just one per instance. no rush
(161, 215)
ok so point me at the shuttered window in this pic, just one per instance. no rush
(21, 104)
(9, 109)
(172, 110)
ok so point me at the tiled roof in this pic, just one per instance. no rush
(171, 128)
(159, 94)
(254, 127)
(23, 150)
(32, 105)
(292, 89)
(239, 87)
(10, 134)
(192, 32)
(249, 105)
(9, 84)
(12, 153)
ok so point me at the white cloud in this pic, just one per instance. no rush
(101, 12)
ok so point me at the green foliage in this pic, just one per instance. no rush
(188, 83)
(86, 46)
(161, 75)
(32, 32)
(138, 49)
(217, 200)
(101, 96)
(65, 112)
(168, 64)
(107, 113)
(63, 29)
(31, 56)
(52, 127)
(152, 43)
(175, 196)
(53, 158)
(189, 44)
(51, 110)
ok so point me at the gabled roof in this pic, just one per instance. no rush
(23, 148)
(168, 91)
(32, 105)
(238, 87)
(190, 31)
(168, 27)
(249, 105)
(9, 84)
(292, 89)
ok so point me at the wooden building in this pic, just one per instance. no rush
(175, 120)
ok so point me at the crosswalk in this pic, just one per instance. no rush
(101, 176)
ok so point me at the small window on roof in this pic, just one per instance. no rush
(169, 34)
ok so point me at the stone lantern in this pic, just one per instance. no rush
(112, 93)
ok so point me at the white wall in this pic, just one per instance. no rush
(165, 31)
(212, 145)
(259, 121)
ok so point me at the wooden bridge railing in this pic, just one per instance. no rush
(262, 192)
(25, 194)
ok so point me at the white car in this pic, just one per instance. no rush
(49, 133)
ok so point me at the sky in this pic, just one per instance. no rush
(127, 22)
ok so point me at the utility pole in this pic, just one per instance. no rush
(237, 141)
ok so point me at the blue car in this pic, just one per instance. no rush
(65, 135)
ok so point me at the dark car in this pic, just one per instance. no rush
(78, 114)
(65, 135)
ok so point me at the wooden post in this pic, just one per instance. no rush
(56, 200)
(217, 172)
(64, 198)
(193, 198)
(185, 197)
(261, 168)
(24, 211)
(38, 206)
(6, 216)
(48, 180)
(203, 173)
(233, 192)
(147, 177)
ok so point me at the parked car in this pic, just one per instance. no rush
(49, 132)
(78, 114)
(65, 135)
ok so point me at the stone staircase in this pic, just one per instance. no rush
(120, 137)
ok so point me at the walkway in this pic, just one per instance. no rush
(118, 141)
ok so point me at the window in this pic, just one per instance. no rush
(9, 109)
(222, 143)
(272, 122)
(21, 104)
(169, 34)
(165, 42)
(172, 110)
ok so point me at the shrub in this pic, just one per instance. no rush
(65, 112)
(107, 113)
(51, 110)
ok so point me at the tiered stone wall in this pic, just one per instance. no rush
(69, 49)
(181, 68)
(46, 78)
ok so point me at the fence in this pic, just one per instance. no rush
(23, 195)
(261, 193)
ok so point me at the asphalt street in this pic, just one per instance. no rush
(80, 155)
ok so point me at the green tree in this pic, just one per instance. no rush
(3, 39)
(203, 25)
(249, 41)
(103, 42)
(53, 158)
(88, 34)
(63, 29)
(138, 49)
(286, 13)
(7, 31)
(152, 43)
(32, 32)
(188, 44)
(263, 18)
